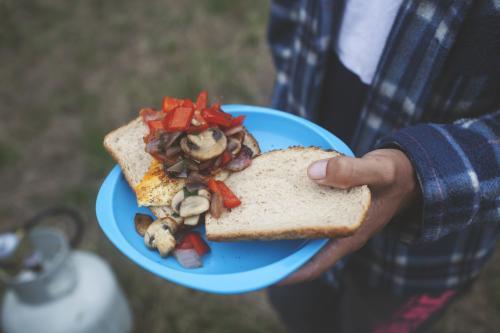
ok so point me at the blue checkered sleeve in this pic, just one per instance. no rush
(458, 168)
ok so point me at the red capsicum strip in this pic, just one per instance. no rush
(215, 116)
(212, 185)
(179, 119)
(197, 242)
(228, 197)
(170, 103)
(226, 157)
(237, 121)
(201, 101)
(193, 240)
(203, 125)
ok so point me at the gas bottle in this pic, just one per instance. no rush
(70, 291)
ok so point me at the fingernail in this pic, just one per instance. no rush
(318, 170)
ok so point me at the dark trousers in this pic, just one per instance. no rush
(315, 307)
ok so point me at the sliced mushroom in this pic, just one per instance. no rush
(222, 175)
(169, 223)
(204, 193)
(192, 220)
(234, 146)
(234, 130)
(193, 205)
(204, 145)
(149, 236)
(159, 235)
(176, 201)
(178, 220)
(142, 222)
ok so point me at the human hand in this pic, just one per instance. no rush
(393, 185)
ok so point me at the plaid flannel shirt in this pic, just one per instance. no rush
(436, 96)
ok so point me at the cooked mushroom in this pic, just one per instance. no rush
(193, 205)
(234, 146)
(176, 200)
(204, 193)
(234, 130)
(192, 220)
(178, 220)
(204, 145)
(149, 236)
(142, 222)
(242, 161)
(159, 235)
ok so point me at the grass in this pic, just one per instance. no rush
(73, 70)
(8, 155)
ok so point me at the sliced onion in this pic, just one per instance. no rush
(188, 258)
(169, 138)
(177, 167)
(191, 165)
(177, 170)
(195, 177)
(234, 146)
(241, 161)
(172, 151)
(195, 186)
(216, 205)
(217, 162)
(206, 165)
(154, 146)
(233, 130)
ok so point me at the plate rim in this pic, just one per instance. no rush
(223, 283)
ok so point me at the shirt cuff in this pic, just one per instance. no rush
(427, 151)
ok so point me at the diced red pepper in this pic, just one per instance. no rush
(155, 125)
(197, 242)
(201, 101)
(170, 103)
(179, 119)
(184, 243)
(237, 121)
(212, 185)
(187, 103)
(226, 157)
(149, 114)
(197, 118)
(215, 116)
(197, 129)
(229, 198)
(161, 157)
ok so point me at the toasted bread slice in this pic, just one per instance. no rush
(279, 201)
(143, 173)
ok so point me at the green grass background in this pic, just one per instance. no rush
(73, 70)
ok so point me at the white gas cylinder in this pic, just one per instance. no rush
(76, 292)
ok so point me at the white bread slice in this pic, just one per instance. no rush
(126, 146)
(279, 201)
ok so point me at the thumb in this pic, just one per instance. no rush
(345, 172)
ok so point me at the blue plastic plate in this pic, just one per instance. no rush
(231, 267)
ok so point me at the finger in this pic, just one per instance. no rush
(319, 264)
(345, 172)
